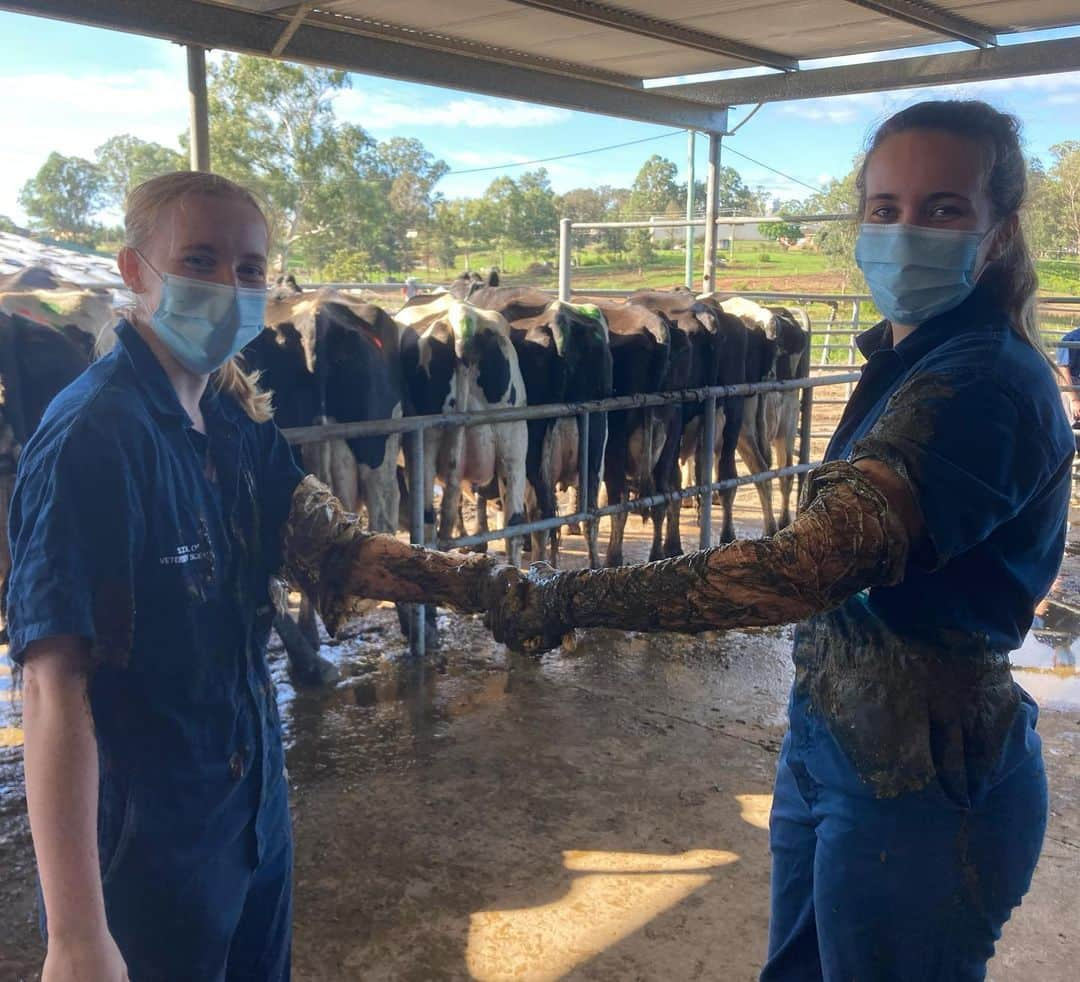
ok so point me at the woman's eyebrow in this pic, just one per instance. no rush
(253, 257)
(882, 196)
(203, 246)
(939, 195)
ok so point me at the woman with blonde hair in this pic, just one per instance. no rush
(152, 506)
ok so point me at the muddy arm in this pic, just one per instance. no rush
(338, 565)
(847, 538)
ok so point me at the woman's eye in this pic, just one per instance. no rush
(944, 213)
(200, 263)
(254, 273)
(883, 214)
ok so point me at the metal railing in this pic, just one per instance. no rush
(416, 426)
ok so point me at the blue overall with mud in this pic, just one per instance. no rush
(910, 800)
(156, 542)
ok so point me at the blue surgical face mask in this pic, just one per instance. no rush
(204, 324)
(916, 273)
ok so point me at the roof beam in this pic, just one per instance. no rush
(662, 30)
(291, 28)
(1005, 61)
(933, 18)
(218, 26)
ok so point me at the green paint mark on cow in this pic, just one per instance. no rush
(465, 323)
(589, 310)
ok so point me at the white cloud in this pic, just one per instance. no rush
(73, 115)
(383, 111)
(818, 113)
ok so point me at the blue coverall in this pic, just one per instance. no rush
(910, 799)
(156, 543)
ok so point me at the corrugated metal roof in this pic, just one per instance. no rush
(597, 56)
(800, 29)
(18, 253)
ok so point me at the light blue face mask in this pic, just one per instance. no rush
(916, 273)
(204, 324)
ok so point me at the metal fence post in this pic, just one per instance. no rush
(806, 413)
(708, 436)
(689, 276)
(851, 342)
(708, 278)
(198, 111)
(564, 259)
(583, 473)
(415, 468)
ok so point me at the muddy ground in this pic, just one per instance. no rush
(596, 814)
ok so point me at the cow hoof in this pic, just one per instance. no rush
(317, 672)
(726, 538)
(574, 528)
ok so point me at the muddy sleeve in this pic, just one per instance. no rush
(337, 564)
(278, 480)
(973, 452)
(845, 539)
(76, 530)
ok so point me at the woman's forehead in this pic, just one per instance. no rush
(223, 222)
(929, 161)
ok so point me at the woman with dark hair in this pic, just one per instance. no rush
(910, 799)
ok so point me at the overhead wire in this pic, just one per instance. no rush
(563, 156)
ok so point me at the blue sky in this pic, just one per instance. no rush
(68, 88)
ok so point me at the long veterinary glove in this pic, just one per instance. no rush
(845, 539)
(338, 565)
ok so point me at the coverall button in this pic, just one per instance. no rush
(236, 766)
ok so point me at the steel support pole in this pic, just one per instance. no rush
(806, 412)
(712, 187)
(198, 109)
(564, 258)
(690, 210)
(708, 436)
(415, 467)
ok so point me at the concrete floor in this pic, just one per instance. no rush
(597, 814)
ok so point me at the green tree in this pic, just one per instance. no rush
(537, 221)
(1064, 193)
(654, 188)
(273, 128)
(777, 231)
(125, 161)
(733, 197)
(837, 239)
(407, 173)
(653, 192)
(7, 225)
(63, 197)
(499, 214)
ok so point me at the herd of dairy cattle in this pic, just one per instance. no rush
(475, 346)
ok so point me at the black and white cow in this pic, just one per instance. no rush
(565, 356)
(460, 358)
(637, 438)
(714, 348)
(36, 362)
(327, 358)
(466, 284)
(771, 422)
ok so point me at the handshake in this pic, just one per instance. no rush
(528, 611)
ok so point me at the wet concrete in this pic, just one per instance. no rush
(600, 813)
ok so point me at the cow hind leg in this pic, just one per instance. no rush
(757, 464)
(785, 457)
